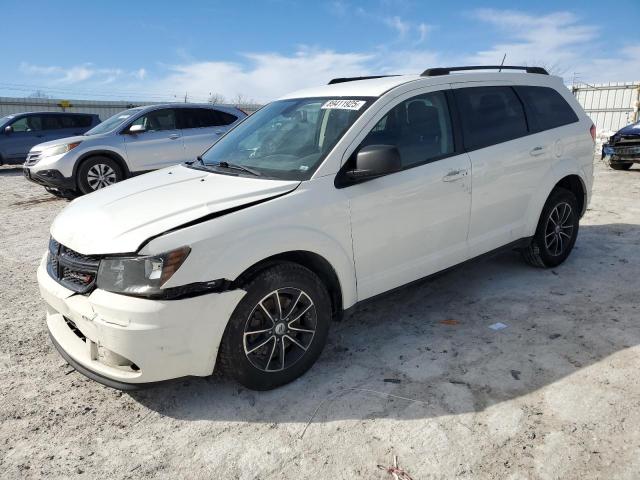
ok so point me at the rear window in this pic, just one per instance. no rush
(546, 109)
(226, 118)
(490, 115)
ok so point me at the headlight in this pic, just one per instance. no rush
(59, 149)
(143, 275)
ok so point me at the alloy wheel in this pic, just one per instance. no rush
(280, 329)
(559, 229)
(100, 176)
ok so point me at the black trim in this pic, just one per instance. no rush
(436, 72)
(515, 245)
(108, 382)
(105, 153)
(333, 81)
(49, 178)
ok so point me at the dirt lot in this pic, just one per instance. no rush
(556, 394)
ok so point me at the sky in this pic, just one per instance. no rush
(260, 50)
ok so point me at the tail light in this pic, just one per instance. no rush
(592, 131)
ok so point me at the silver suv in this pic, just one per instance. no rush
(131, 142)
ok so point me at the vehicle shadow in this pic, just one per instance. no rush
(11, 171)
(432, 344)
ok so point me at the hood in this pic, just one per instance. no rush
(61, 141)
(630, 130)
(120, 218)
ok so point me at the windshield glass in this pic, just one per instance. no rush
(114, 122)
(6, 119)
(287, 139)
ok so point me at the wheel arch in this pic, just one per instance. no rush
(574, 184)
(101, 153)
(314, 262)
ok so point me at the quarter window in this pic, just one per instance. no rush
(490, 115)
(419, 127)
(546, 109)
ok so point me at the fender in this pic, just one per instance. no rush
(559, 170)
(106, 153)
(303, 220)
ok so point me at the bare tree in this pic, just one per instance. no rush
(216, 98)
(38, 94)
(241, 99)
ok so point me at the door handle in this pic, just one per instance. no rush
(454, 175)
(174, 136)
(537, 151)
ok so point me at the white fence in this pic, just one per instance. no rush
(104, 109)
(611, 106)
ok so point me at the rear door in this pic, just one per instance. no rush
(160, 145)
(202, 127)
(507, 162)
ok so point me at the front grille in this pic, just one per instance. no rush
(71, 269)
(32, 159)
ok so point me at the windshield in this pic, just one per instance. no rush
(6, 119)
(287, 139)
(112, 123)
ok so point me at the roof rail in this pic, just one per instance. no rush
(434, 72)
(354, 79)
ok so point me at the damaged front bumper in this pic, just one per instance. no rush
(621, 154)
(126, 342)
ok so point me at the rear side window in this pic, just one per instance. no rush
(490, 115)
(546, 109)
(226, 118)
(198, 118)
(51, 122)
(78, 121)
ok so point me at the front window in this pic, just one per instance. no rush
(287, 139)
(114, 122)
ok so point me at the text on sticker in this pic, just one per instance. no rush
(343, 104)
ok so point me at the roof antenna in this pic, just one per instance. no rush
(502, 62)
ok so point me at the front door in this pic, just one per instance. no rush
(412, 223)
(159, 145)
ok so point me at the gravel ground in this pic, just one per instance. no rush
(556, 394)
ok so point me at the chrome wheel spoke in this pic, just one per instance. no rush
(300, 315)
(301, 330)
(256, 332)
(282, 353)
(264, 309)
(278, 304)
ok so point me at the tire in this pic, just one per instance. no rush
(296, 333)
(620, 165)
(96, 173)
(558, 224)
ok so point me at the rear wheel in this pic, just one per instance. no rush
(556, 232)
(98, 172)
(278, 329)
(620, 165)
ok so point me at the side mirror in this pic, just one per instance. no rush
(137, 129)
(375, 161)
(8, 130)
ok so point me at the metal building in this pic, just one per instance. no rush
(104, 109)
(611, 106)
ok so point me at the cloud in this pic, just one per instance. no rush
(400, 26)
(79, 73)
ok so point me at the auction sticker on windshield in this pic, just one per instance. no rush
(343, 104)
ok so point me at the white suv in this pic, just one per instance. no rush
(320, 200)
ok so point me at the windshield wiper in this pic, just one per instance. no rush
(235, 166)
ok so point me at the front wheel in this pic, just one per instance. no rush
(556, 232)
(278, 329)
(98, 172)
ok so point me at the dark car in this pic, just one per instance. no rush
(623, 148)
(21, 131)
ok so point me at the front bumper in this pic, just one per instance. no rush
(49, 178)
(619, 154)
(126, 342)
